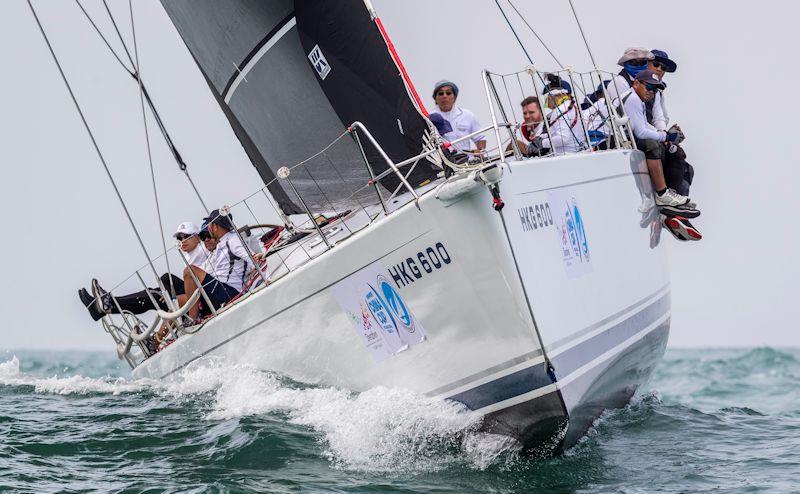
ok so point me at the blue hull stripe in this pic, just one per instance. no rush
(534, 377)
(577, 356)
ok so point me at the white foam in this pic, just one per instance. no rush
(10, 375)
(382, 429)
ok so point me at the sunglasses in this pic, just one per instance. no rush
(204, 236)
(444, 93)
(637, 63)
(659, 65)
(183, 236)
(651, 87)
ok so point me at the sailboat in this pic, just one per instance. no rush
(533, 290)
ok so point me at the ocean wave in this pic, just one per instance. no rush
(10, 375)
(382, 429)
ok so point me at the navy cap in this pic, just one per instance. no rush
(215, 217)
(661, 56)
(650, 77)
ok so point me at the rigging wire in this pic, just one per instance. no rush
(105, 40)
(535, 34)
(91, 136)
(514, 31)
(132, 72)
(119, 34)
(138, 67)
(580, 28)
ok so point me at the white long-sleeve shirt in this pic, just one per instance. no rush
(464, 123)
(634, 108)
(619, 87)
(565, 134)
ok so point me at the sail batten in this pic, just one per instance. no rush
(291, 76)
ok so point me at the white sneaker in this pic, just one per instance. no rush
(671, 198)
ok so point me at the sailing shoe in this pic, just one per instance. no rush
(682, 229)
(102, 300)
(671, 198)
(685, 211)
(88, 302)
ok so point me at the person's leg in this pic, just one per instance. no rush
(653, 153)
(176, 282)
(190, 287)
(139, 303)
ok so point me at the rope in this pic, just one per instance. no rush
(149, 151)
(535, 34)
(91, 136)
(514, 31)
(580, 28)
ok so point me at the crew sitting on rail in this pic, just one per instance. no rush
(678, 173)
(194, 252)
(231, 265)
(564, 131)
(651, 141)
(462, 121)
(532, 128)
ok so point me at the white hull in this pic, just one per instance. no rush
(604, 318)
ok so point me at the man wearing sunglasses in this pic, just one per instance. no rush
(462, 121)
(196, 254)
(649, 139)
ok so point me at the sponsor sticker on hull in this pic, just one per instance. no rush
(378, 313)
(571, 233)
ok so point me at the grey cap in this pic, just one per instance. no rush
(439, 85)
(635, 53)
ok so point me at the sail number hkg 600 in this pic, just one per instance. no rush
(416, 266)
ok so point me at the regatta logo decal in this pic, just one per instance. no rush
(535, 217)
(423, 262)
(319, 62)
(380, 316)
(571, 232)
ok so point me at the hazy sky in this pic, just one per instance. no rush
(733, 95)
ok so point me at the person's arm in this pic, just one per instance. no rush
(660, 118)
(480, 139)
(638, 121)
(241, 251)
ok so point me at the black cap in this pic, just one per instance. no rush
(225, 221)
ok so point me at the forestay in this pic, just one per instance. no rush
(291, 76)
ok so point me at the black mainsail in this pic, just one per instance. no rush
(291, 76)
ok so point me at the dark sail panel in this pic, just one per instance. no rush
(362, 81)
(290, 77)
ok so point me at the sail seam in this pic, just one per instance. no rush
(256, 53)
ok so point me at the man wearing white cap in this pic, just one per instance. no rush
(139, 302)
(462, 121)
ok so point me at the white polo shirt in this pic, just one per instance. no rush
(464, 123)
(199, 257)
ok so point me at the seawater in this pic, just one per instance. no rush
(710, 420)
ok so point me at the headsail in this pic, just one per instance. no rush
(290, 77)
